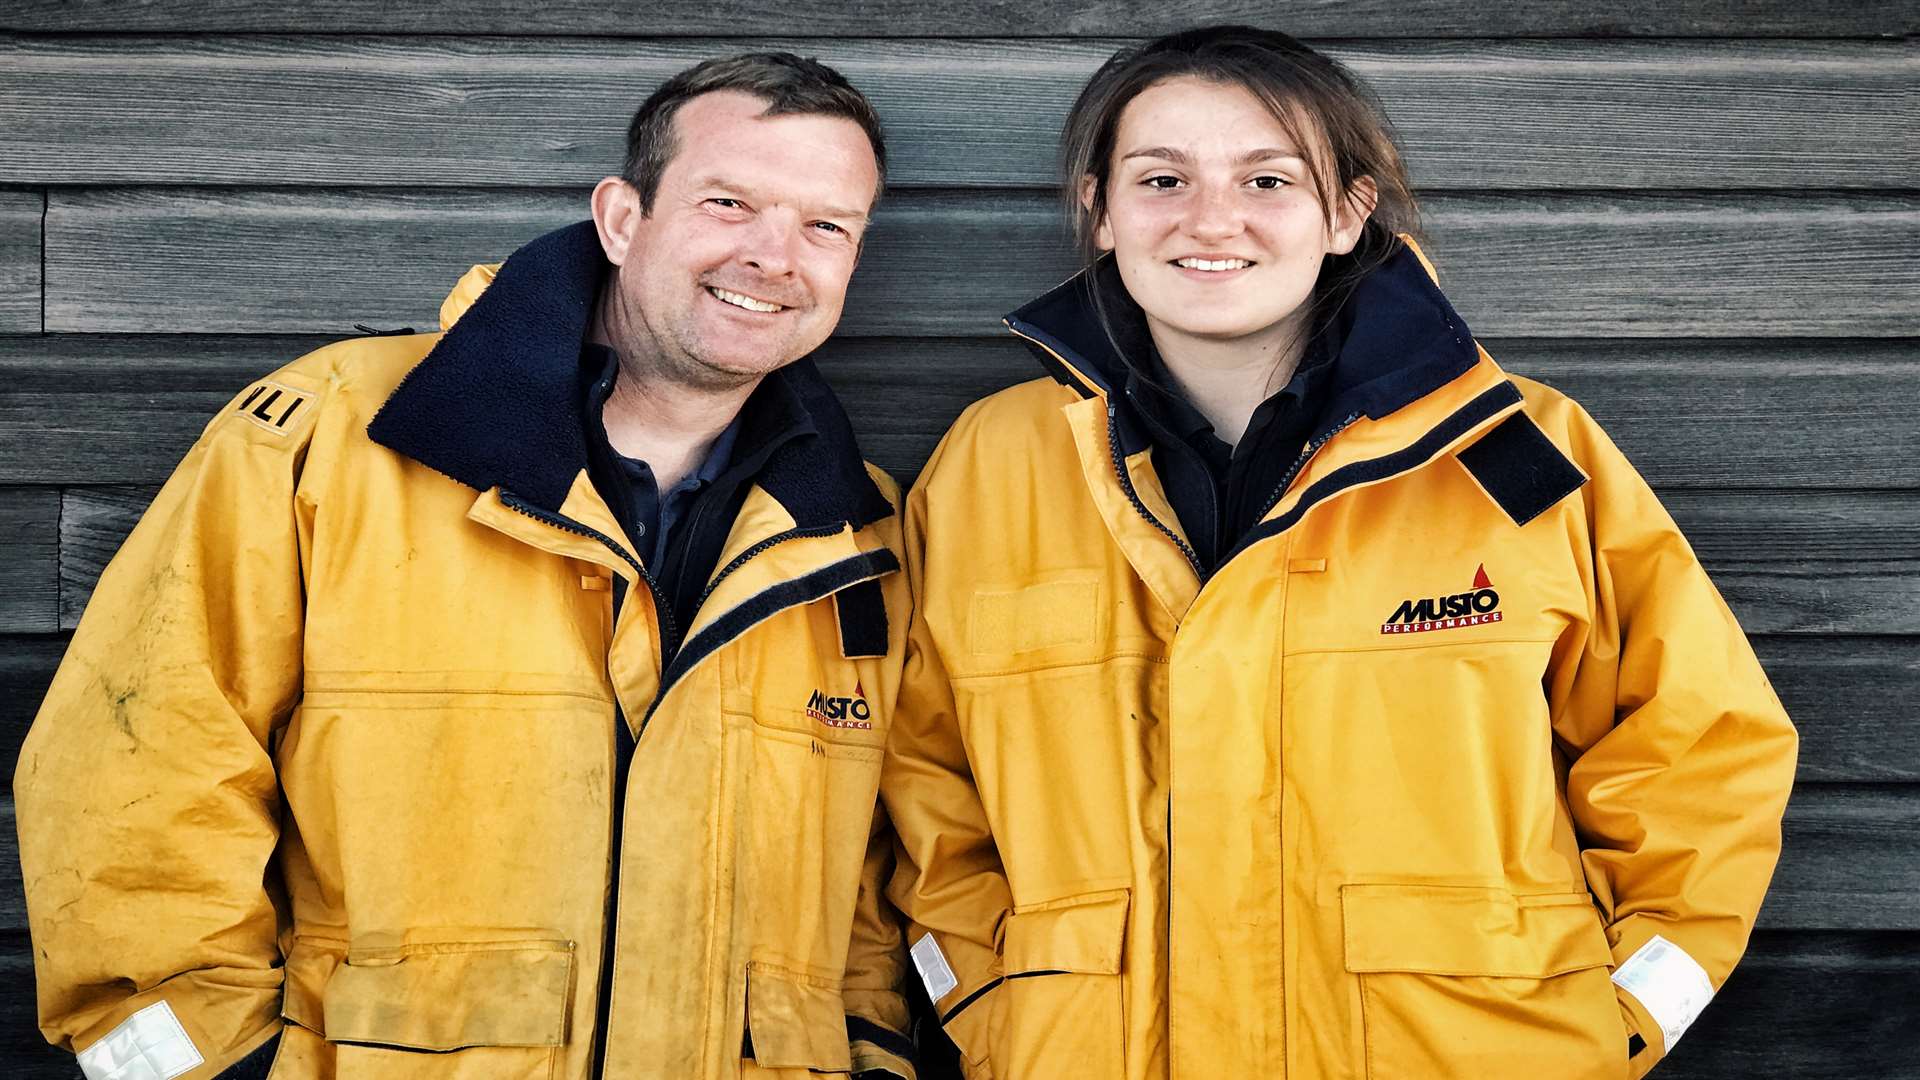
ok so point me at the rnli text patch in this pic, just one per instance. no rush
(273, 406)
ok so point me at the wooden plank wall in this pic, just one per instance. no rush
(1697, 217)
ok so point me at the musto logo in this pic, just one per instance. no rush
(841, 712)
(1480, 605)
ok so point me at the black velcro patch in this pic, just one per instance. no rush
(1521, 468)
(863, 619)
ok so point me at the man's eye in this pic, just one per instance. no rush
(828, 226)
(730, 204)
(1162, 183)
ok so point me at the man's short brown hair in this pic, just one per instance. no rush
(789, 84)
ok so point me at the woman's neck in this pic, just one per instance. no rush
(1227, 379)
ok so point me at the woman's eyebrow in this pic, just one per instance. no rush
(1168, 153)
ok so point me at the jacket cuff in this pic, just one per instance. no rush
(878, 1052)
(170, 1042)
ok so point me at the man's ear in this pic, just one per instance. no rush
(1352, 214)
(1102, 232)
(616, 212)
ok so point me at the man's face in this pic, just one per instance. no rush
(743, 264)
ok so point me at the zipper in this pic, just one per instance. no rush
(1126, 485)
(1299, 463)
(615, 826)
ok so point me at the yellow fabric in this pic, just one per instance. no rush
(1237, 830)
(330, 706)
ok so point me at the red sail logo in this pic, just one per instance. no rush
(1478, 605)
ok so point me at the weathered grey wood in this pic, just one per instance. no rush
(94, 523)
(24, 1052)
(29, 553)
(20, 217)
(1853, 597)
(1856, 702)
(438, 112)
(177, 261)
(918, 18)
(26, 668)
(93, 409)
(1850, 859)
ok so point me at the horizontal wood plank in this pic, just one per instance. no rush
(232, 261)
(923, 18)
(1853, 700)
(20, 220)
(438, 112)
(26, 669)
(29, 553)
(113, 409)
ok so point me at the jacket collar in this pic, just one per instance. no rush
(497, 401)
(1394, 341)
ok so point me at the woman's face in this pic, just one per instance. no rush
(1212, 215)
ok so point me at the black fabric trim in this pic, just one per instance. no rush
(1374, 469)
(861, 1029)
(1635, 1044)
(947, 1017)
(863, 619)
(777, 598)
(1521, 468)
(497, 402)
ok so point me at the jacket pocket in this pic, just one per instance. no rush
(1062, 1008)
(795, 1021)
(1469, 981)
(483, 1008)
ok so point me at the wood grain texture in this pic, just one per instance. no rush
(1853, 700)
(120, 409)
(438, 112)
(29, 551)
(20, 219)
(26, 668)
(921, 18)
(234, 261)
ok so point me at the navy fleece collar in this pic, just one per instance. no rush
(497, 401)
(1395, 340)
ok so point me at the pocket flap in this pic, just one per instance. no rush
(447, 996)
(1080, 933)
(795, 1022)
(1462, 930)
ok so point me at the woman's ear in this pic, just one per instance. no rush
(1351, 216)
(1102, 231)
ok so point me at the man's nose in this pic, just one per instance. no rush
(769, 245)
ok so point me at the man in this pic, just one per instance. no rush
(514, 694)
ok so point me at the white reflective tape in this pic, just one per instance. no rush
(1671, 985)
(934, 970)
(149, 1045)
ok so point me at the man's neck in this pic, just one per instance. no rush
(1227, 380)
(656, 419)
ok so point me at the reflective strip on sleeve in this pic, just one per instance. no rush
(149, 1045)
(934, 970)
(1668, 983)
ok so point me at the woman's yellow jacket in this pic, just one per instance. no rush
(1457, 767)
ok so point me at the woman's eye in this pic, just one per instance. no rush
(1162, 183)
(1269, 183)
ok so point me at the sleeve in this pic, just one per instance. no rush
(949, 881)
(146, 795)
(876, 1009)
(1680, 757)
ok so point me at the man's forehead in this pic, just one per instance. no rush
(727, 139)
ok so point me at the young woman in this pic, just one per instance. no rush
(1292, 691)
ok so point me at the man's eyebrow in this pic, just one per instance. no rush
(727, 187)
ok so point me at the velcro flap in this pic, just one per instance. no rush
(795, 1021)
(1463, 930)
(450, 995)
(1080, 933)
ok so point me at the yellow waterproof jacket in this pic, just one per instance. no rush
(333, 752)
(1458, 766)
